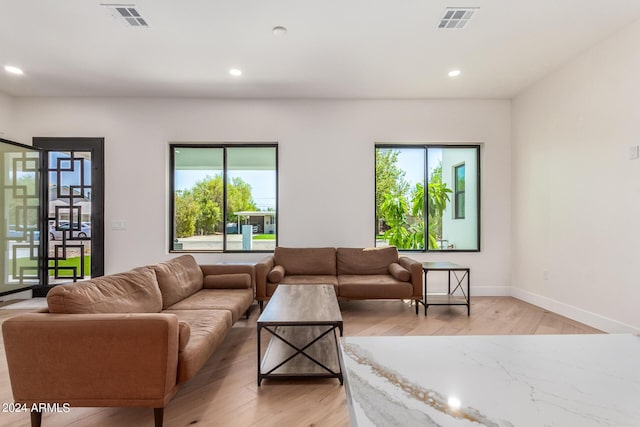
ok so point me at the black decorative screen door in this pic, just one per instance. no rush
(73, 185)
(20, 180)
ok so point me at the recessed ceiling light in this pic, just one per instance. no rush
(279, 31)
(235, 72)
(13, 70)
(454, 73)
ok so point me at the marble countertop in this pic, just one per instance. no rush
(495, 381)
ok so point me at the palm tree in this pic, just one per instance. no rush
(395, 212)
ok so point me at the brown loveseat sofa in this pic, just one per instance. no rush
(355, 273)
(127, 339)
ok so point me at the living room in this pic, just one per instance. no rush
(559, 185)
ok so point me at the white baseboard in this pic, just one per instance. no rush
(490, 291)
(18, 295)
(583, 316)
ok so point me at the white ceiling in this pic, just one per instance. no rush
(333, 49)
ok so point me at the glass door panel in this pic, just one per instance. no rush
(69, 216)
(20, 234)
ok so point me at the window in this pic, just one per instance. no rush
(223, 197)
(444, 214)
(458, 204)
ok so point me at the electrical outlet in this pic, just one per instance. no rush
(546, 275)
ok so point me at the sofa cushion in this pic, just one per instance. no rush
(399, 272)
(227, 281)
(134, 291)
(376, 286)
(208, 329)
(306, 260)
(236, 301)
(365, 260)
(184, 333)
(178, 278)
(276, 274)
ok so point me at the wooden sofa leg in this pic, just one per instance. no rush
(261, 304)
(36, 418)
(158, 416)
(247, 313)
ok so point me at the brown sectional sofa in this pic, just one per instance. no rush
(355, 273)
(126, 339)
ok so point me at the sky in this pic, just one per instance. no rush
(68, 177)
(411, 160)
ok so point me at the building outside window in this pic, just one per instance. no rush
(444, 214)
(223, 197)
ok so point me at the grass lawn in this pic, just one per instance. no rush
(73, 262)
(69, 262)
(264, 237)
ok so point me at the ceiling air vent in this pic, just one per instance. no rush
(456, 17)
(127, 14)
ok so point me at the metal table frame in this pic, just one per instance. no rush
(301, 319)
(449, 298)
(276, 333)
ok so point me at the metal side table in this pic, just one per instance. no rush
(452, 297)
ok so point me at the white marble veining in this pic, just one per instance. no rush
(494, 381)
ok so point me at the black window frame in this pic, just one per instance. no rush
(224, 146)
(457, 193)
(426, 147)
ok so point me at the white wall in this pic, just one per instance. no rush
(6, 116)
(326, 158)
(575, 193)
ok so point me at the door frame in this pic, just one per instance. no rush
(96, 146)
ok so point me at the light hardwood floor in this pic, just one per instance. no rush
(225, 393)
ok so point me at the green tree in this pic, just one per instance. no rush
(198, 210)
(239, 198)
(186, 211)
(438, 197)
(394, 210)
(208, 195)
(406, 227)
(389, 178)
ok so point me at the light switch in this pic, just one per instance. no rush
(118, 225)
(634, 152)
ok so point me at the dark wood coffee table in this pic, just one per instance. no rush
(302, 322)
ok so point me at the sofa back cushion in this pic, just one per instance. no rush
(227, 281)
(366, 260)
(178, 278)
(306, 261)
(134, 291)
